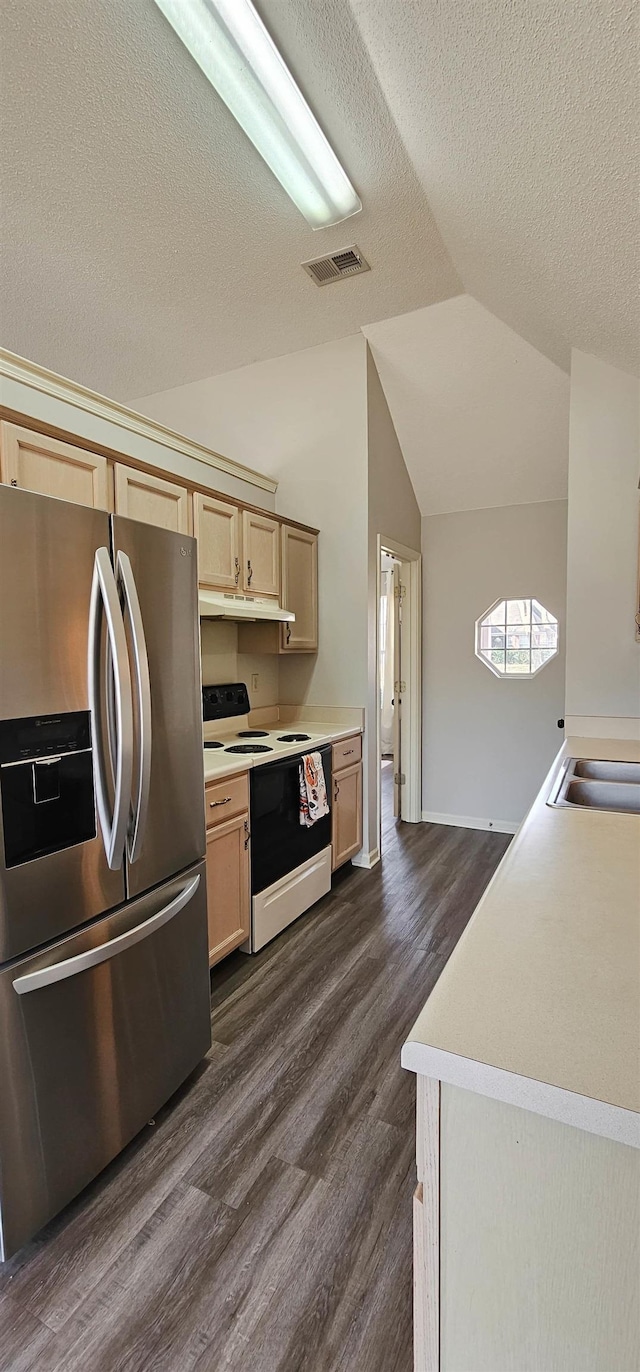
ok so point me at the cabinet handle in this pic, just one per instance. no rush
(288, 633)
(347, 752)
(213, 803)
(336, 792)
(250, 571)
(237, 577)
(247, 833)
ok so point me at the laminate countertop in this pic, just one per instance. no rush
(539, 1004)
(219, 764)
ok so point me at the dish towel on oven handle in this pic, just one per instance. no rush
(313, 790)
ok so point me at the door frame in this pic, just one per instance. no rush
(411, 672)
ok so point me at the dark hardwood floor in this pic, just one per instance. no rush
(263, 1224)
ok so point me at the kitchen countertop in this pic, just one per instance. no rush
(218, 763)
(539, 1004)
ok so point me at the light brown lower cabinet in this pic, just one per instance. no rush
(228, 880)
(346, 823)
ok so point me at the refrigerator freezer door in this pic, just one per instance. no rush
(98, 1032)
(47, 552)
(164, 569)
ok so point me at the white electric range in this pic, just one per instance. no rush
(290, 861)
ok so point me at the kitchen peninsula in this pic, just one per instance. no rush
(528, 1062)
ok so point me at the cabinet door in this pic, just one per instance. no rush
(300, 590)
(151, 499)
(216, 526)
(261, 554)
(228, 889)
(346, 827)
(50, 467)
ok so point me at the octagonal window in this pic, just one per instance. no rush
(516, 638)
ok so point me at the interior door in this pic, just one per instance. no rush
(397, 691)
(98, 1031)
(47, 559)
(170, 833)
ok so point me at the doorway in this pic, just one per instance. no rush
(389, 648)
(398, 692)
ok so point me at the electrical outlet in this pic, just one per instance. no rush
(254, 681)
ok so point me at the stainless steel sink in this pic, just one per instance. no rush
(596, 770)
(598, 785)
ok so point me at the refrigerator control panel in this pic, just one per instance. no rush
(46, 785)
(44, 736)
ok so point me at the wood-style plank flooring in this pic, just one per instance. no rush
(263, 1224)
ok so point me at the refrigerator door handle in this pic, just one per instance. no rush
(125, 577)
(70, 967)
(104, 593)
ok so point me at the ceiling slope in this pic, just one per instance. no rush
(522, 120)
(144, 242)
(482, 417)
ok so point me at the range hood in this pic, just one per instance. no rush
(230, 605)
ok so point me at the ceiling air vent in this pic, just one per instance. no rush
(334, 265)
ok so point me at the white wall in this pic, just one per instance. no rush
(487, 742)
(603, 657)
(302, 418)
(482, 416)
(317, 421)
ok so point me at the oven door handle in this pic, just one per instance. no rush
(70, 967)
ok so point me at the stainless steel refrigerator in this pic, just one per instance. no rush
(104, 979)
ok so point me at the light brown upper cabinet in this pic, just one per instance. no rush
(151, 499)
(299, 590)
(216, 526)
(50, 467)
(260, 554)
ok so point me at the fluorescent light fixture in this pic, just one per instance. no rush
(232, 47)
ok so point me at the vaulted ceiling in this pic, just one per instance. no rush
(145, 244)
(482, 417)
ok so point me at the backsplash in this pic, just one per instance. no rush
(221, 661)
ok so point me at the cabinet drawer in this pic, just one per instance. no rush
(347, 751)
(226, 798)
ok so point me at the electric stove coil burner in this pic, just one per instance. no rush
(249, 748)
(253, 733)
(294, 738)
(213, 744)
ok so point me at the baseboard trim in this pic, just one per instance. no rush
(367, 860)
(497, 826)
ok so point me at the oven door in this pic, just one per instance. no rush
(98, 1031)
(279, 842)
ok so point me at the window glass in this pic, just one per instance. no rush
(516, 637)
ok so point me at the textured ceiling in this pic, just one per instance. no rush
(482, 417)
(145, 243)
(522, 118)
